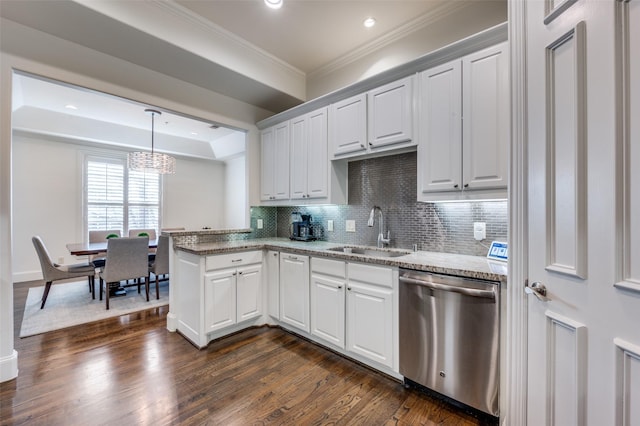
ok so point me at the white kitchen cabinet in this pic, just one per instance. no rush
(348, 126)
(485, 111)
(294, 290)
(372, 319)
(375, 121)
(220, 299)
(328, 283)
(309, 156)
(273, 283)
(232, 294)
(390, 113)
(464, 128)
(275, 163)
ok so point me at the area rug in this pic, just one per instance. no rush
(70, 304)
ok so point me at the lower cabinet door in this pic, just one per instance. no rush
(294, 290)
(370, 322)
(327, 309)
(249, 292)
(220, 299)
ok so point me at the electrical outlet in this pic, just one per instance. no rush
(350, 226)
(330, 225)
(260, 223)
(479, 230)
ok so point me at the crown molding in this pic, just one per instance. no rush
(399, 33)
(187, 16)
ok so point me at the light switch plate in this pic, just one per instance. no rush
(350, 226)
(330, 225)
(260, 223)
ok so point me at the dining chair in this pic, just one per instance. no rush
(98, 237)
(53, 272)
(160, 264)
(127, 258)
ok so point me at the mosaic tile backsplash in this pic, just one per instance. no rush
(390, 182)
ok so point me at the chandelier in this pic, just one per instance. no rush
(152, 161)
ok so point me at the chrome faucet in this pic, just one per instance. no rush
(382, 241)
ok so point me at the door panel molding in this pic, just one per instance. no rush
(566, 171)
(553, 10)
(566, 370)
(628, 145)
(627, 383)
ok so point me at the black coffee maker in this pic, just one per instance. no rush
(301, 228)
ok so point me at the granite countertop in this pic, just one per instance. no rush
(186, 232)
(440, 263)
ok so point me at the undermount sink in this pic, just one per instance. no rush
(372, 251)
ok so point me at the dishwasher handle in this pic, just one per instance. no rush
(474, 292)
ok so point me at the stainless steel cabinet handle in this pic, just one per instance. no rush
(537, 289)
(474, 292)
(293, 257)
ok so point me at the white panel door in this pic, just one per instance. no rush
(249, 292)
(220, 299)
(273, 283)
(582, 82)
(348, 125)
(328, 309)
(440, 147)
(485, 130)
(299, 155)
(390, 115)
(317, 155)
(294, 290)
(281, 162)
(268, 164)
(370, 322)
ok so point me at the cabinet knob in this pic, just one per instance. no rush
(370, 143)
(456, 185)
(339, 287)
(275, 254)
(361, 145)
(240, 273)
(466, 185)
(349, 288)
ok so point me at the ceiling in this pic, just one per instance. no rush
(258, 55)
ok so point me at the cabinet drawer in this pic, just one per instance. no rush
(231, 260)
(378, 275)
(336, 268)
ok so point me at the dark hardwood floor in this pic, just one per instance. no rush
(131, 370)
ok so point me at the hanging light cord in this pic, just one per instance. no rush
(153, 116)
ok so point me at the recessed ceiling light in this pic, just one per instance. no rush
(274, 4)
(369, 22)
(70, 106)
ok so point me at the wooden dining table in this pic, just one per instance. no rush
(88, 249)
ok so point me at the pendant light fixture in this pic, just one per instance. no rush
(152, 161)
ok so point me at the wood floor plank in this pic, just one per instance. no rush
(131, 370)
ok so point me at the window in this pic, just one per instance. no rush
(117, 198)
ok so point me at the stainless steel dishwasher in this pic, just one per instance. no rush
(449, 337)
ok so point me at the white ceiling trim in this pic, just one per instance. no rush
(189, 16)
(168, 25)
(388, 38)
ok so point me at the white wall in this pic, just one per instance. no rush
(462, 23)
(236, 213)
(194, 196)
(48, 198)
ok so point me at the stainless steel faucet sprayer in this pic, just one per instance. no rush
(382, 241)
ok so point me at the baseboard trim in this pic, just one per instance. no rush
(9, 367)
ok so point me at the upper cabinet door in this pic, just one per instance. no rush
(299, 155)
(268, 147)
(317, 155)
(281, 161)
(390, 115)
(440, 149)
(349, 125)
(485, 128)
